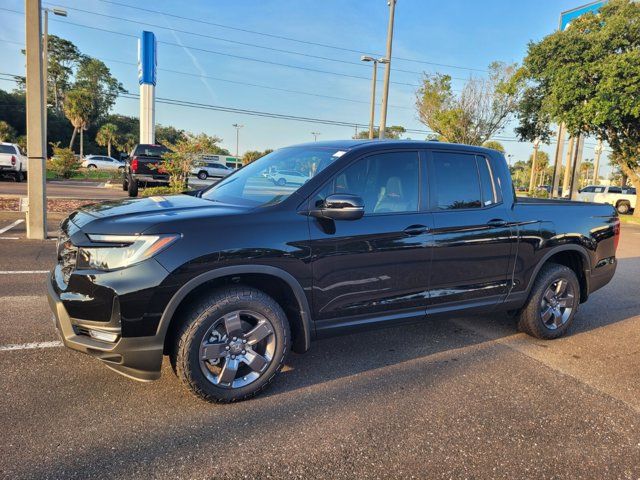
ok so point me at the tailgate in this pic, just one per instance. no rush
(146, 166)
(5, 159)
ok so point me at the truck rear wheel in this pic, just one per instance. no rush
(18, 177)
(552, 304)
(623, 207)
(132, 187)
(231, 345)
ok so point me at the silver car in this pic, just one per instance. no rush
(206, 169)
(102, 162)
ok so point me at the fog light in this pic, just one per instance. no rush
(103, 336)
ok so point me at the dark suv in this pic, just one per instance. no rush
(228, 280)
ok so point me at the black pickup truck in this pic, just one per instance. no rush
(137, 170)
(228, 280)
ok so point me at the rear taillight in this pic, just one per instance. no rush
(13, 159)
(616, 233)
(134, 164)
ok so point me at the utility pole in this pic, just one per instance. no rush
(315, 136)
(557, 167)
(36, 141)
(387, 71)
(596, 164)
(237, 127)
(61, 12)
(536, 145)
(374, 80)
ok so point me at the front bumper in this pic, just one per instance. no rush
(139, 358)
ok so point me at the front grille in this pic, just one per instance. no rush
(67, 254)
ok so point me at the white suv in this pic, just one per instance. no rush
(13, 161)
(206, 168)
(102, 162)
(623, 198)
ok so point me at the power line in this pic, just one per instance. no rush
(281, 37)
(236, 42)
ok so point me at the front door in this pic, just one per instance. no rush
(473, 239)
(375, 268)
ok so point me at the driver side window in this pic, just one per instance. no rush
(387, 183)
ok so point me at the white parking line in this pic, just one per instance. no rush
(11, 272)
(9, 227)
(9, 238)
(30, 346)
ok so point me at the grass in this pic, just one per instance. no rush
(629, 219)
(86, 174)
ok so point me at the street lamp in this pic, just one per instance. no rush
(237, 127)
(375, 61)
(387, 71)
(315, 136)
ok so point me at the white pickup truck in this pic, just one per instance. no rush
(13, 161)
(623, 198)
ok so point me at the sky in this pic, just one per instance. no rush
(457, 37)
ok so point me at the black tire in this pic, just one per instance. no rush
(202, 175)
(531, 317)
(125, 184)
(132, 187)
(185, 356)
(282, 182)
(623, 207)
(18, 177)
(92, 167)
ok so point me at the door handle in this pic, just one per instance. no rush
(497, 222)
(416, 230)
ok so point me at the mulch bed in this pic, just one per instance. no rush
(9, 204)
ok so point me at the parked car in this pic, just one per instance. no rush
(291, 177)
(623, 198)
(143, 168)
(382, 234)
(13, 161)
(208, 168)
(102, 162)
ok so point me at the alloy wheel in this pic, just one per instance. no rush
(557, 304)
(237, 349)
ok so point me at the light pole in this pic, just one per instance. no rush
(237, 127)
(596, 164)
(374, 79)
(387, 71)
(61, 12)
(315, 136)
(536, 145)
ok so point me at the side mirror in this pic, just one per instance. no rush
(340, 206)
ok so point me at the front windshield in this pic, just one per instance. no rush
(274, 177)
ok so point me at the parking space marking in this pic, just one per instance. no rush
(12, 272)
(9, 238)
(30, 346)
(9, 227)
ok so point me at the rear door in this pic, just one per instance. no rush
(377, 267)
(473, 238)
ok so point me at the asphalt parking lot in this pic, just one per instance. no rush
(461, 398)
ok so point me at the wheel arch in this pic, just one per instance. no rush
(253, 275)
(571, 256)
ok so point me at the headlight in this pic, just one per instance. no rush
(121, 250)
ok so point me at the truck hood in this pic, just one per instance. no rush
(134, 216)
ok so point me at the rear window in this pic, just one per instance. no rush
(456, 182)
(150, 150)
(10, 149)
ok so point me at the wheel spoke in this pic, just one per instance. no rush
(548, 295)
(566, 301)
(258, 333)
(229, 371)
(547, 314)
(557, 317)
(561, 287)
(233, 325)
(255, 361)
(210, 351)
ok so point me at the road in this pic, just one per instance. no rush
(461, 398)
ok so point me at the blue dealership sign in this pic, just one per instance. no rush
(147, 58)
(570, 15)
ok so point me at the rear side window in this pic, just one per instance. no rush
(490, 191)
(615, 190)
(150, 150)
(455, 181)
(10, 149)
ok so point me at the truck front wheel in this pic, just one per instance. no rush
(231, 345)
(623, 207)
(552, 304)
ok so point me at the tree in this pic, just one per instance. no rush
(253, 155)
(588, 76)
(476, 114)
(393, 132)
(495, 145)
(63, 163)
(7, 132)
(63, 59)
(181, 157)
(127, 142)
(94, 76)
(542, 164)
(78, 107)
(107, 135)
(169, 135)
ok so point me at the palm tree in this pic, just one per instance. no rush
(78, 106)
(107, 135)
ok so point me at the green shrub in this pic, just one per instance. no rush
(64, 163)
(153, 191)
